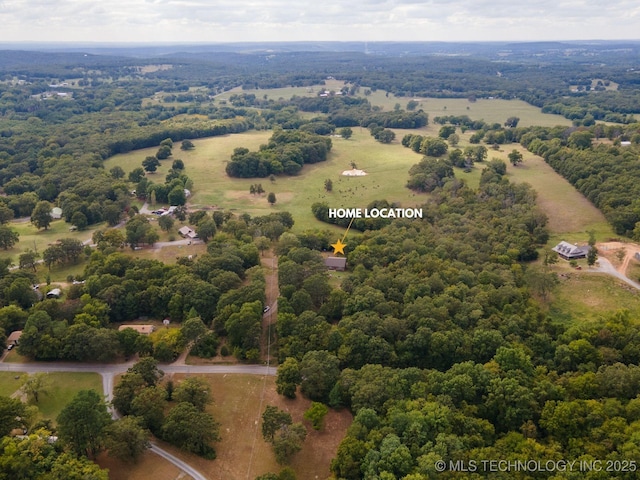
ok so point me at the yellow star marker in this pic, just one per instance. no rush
(338, 247)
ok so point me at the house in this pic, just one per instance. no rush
(187, 232)
(141, 329)
(14, 337)
(569, 251)
(54, 293)
(336, 263)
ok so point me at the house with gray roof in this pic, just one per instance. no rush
(569, 251)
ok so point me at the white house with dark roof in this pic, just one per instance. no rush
(569, 251)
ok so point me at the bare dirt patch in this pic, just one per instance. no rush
(610, 250)
(150, 466)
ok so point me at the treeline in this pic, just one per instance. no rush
(320, 210)
(606, 174)
(287, 152)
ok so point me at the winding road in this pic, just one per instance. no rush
(109, 371)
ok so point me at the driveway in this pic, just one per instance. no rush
(108, 372)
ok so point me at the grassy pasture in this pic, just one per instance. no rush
(213, 188)
(570, 214)
(63, 386)
(489, 110)
(9, 383)
(34, 239)
(585, 297)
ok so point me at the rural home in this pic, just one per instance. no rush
(569, 251)
(336, 263)
(141, 329)
(187, 232)
(14, 337)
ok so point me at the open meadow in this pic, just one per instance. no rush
(492, 110)
(214, 189)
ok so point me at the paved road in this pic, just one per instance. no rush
(108, 371)
(185, 467)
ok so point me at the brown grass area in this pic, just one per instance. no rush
(568, 210)
(242, 453)
(246, 197)
(150, 466)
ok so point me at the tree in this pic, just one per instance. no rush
(512, 122)
(11, 409)
(271, 198)
(581, 139)
(193, 328)
(274, 419)
(41, 215)
(33, 456)
(6, 214)
(328, 185)
(8, 237)
(136, 175)
(79, 219)
(446, 131)
(192, 430)
(592, 256)
(36, 385)
(195, 391)
(263, 244)
(149, 404)
(206, 230)
(117, 172)
(165, 222)
(346, 133)
(150, 164)
(82, 422)
(147, 367)
(163, 152)
(187, 145)
(288, 378)
(515, 157)
(320, 371)
(177, 196)
(315, 414)
(28, 260)
(125, 391)
(126, 439)
(288, 441)
(177, 164)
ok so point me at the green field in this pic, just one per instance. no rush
(489, 110)
(39, 240)
(213, 188)
(570, 214)
(9, 383)
(63, 387)
(586, 297)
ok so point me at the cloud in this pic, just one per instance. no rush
(273, 20)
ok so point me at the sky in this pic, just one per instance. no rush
(204, 21)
